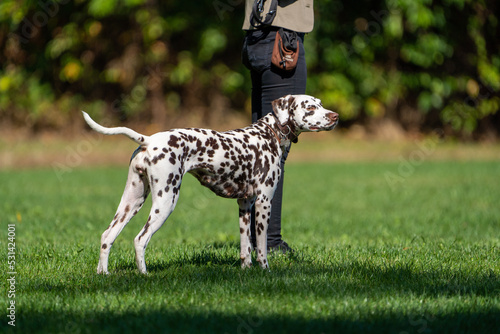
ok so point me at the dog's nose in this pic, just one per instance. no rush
(333, 116)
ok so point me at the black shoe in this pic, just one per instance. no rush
(281, 246)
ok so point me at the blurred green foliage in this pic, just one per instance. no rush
(422, 63)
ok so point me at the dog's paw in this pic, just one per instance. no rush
(246, 264)
(102, 272)
(263, 264)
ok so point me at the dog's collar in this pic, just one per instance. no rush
(274, 133)
(286, 131)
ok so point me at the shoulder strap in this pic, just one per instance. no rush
(257, 11)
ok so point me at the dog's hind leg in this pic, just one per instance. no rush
(135, 193)
(164, 201)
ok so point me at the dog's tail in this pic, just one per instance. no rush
(137, 137)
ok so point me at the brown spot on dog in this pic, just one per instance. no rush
(158, 158)
(260, 228)
(173, 141)
(172, 159)
(146, 227)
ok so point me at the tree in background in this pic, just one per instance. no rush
(423, 63)
(420, 63)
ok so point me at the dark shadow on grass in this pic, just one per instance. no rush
(208, 268)
(209, 264)
(168, 321)
(404, 279)
(216, 265)
(213, 254)
(361, 277)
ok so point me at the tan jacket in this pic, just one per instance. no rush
(297, 15)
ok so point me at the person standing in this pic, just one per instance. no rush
(263, 19)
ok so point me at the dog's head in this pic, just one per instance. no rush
(305, 112)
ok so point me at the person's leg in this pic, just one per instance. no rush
(267, 87)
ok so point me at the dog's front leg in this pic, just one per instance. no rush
(262, 215)
(245, 244)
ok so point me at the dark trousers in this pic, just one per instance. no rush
(268, 84)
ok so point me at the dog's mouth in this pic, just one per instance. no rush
(326, 128)
(333, 125)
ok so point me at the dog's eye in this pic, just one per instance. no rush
(311, 108)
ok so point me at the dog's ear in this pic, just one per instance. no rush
(282, 108)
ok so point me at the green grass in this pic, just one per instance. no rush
(418, 257)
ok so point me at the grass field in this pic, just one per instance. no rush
(379, 249)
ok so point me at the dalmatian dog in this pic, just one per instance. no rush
(243, 164)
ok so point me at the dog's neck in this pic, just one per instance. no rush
(285, 133)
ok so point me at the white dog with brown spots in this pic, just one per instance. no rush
(243, 164)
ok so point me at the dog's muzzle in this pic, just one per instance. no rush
(334, 119)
